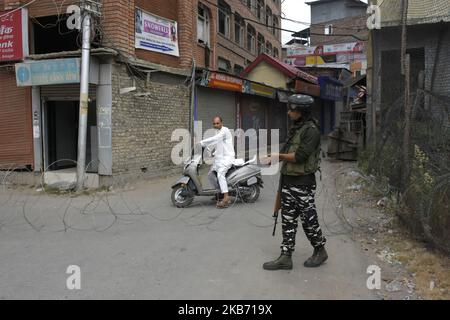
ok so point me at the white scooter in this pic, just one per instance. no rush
(244, 181)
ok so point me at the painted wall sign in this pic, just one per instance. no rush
(307, 88)
(260, 90)
(330, 89)
(230, 83)
(308, 77)
(14, 35)
(48, 72)
(342, 53)
(154, 33)
(222, 81)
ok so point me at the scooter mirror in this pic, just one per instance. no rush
(252, 160)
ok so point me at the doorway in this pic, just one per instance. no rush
(61, 135)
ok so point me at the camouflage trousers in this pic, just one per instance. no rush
(298, 201)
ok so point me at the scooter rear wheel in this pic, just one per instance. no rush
(181, 197)
(253, 195)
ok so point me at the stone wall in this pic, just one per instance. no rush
(142, 126)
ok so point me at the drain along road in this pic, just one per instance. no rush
(132, 243)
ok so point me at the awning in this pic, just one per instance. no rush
(307, 88)
(350, 82)
(225, 81)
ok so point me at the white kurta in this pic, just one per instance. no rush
(223, 156)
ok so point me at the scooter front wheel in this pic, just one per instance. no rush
(181, 197)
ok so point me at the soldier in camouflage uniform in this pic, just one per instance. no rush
(300, 157)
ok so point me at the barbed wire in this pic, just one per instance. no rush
(108, 203)
(422, 180)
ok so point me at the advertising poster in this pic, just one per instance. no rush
(154, 33)
(14, 35)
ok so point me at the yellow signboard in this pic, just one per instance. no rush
(314, 60)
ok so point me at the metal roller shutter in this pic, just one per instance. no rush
(66, 92)
(213, 102)
(254, 112)
(16, 138)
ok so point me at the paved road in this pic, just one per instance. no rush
(132, 244)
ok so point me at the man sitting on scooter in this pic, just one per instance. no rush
(223, 159)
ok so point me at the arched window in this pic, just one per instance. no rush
(275, 26)
(260, 10)
(269, 48)
(224, 18)
(249, 4)
(203, 24)
(261, 43)
(239, 30)
(251, 38)
(276, 54)
(268, 17)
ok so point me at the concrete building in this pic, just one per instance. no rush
(409, 111)
(288, 80)
(428, 44)
(337, 21)
(337, 50)
(238, 32)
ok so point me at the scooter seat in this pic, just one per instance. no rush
(231, 170)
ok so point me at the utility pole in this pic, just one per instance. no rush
(404, 40)
(407, 131)
(88, 7)
(192, 107)
(406, 72)
(371, 116)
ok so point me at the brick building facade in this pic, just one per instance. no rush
(135, 93)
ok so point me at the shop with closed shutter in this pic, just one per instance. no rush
(16, 135)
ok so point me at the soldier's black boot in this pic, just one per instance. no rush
(318, 258)
(284, 262)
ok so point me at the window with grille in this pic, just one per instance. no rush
(223, 65)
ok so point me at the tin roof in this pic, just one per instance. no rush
(419, 12)
(285, 68)
(348, 2)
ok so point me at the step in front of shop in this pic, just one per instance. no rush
(66, 179)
